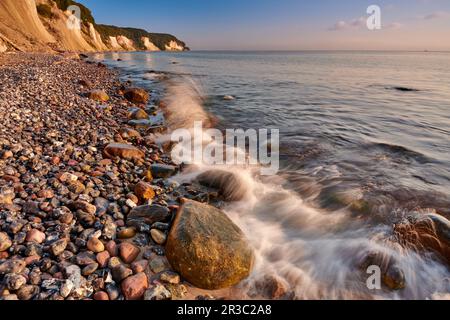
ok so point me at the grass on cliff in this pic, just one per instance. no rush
(44, 10)
(86, 14)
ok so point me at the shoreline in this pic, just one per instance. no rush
(62, 192)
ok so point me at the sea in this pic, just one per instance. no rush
(364, 145)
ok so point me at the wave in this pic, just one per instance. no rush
(316, 253)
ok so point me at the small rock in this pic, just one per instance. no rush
(66, 288)
(158, 236)
(139, 266)
(101, 296)
(134, 287)
(121, 272)
(98, 95)
(128, 252)
(127, 233)
(103, 258)
(148, 214)
(170, 277)
(136, 95)
(15, 281)
(84, 206)
(5, 242)
(58, 247)
(144, 191)
(162, 171)
(158, 292)
(95, 245)
(394, 278)
(89, 269)
(35, 235)
(28, 292)
(124, 151)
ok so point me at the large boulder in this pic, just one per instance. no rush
(98, 95)
(207, 248)
(136, 95)
(227, 183)
(124, 151)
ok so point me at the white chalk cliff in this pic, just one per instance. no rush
(25, 28)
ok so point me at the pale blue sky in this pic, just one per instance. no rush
(285, 24)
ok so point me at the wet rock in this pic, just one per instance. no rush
(158, 236)
(162, 171)
(128, 252)
(134, 287)
(127, 233)
(144, 191)
(394, 278)
(83, 206)
(139, 266)
(103, 258)
(158, 264)
(7, 196)
(5, 242)
(207, 248)
(136, 95)
(138, 114)
(85, 258)
(272, 287)
(227, 183)
(98, 95)
(66, 288)
(89, 269)
(148, 214)
(158, 292)
(129, 134)
(31, 207)
(124, 151)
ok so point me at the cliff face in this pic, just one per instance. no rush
(42, 25)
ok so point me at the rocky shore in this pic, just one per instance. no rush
(87, 206)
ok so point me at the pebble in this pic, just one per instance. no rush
(5, 242)
(134, 287)
(35, 235)
(95, 245)
(158, 292)
(58, 247)
(128, 252)
(158, 236)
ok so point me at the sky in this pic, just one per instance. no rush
(285, 24)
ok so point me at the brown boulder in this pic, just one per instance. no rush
(207, 248)
(98, 95)
(136, 95)
(124, 151)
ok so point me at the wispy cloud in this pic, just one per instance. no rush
(436, 15)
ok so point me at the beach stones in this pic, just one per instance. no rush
(136, 95)
(138, 114)
(207, 248)
(124, 151)
(144, 191)
(5, 242)
(7, 195)
(98, 95)
(35, 235)
(162, 170)
(227, 183)
(95, 245)
(134, 287)
(128, 252)
(148, 214)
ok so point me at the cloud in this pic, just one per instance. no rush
(436, 15)
(394, 25)
(354, 23)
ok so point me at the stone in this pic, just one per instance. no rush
(85, 258)
(144, 191)
(158, 292)
(394, 278)
(35, 235)
(5, 242)
(139, 266)
(158, 264)
(112, 249)
(158, 236)
(121, 272)
(127, 233)
(124, 151)
(83, 206)
(128, 133)
(136, 95)
(31, 207)
(148, 214)
(89, 269)
(76, 187)
(58, 247)
(66, 218)
(128, 252)
(103, 258)
(170, 277)
(46, 194)
(101, 296)
(7, 195)
(15, 281)
(134, 287)
(98, 95)
(162, 170)
(95, 245)
(28, 292)
(12, 266)
(66, 288)
(229, 185)
(271, 287)
(85, 83)
(207, 248)
(138, 114)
